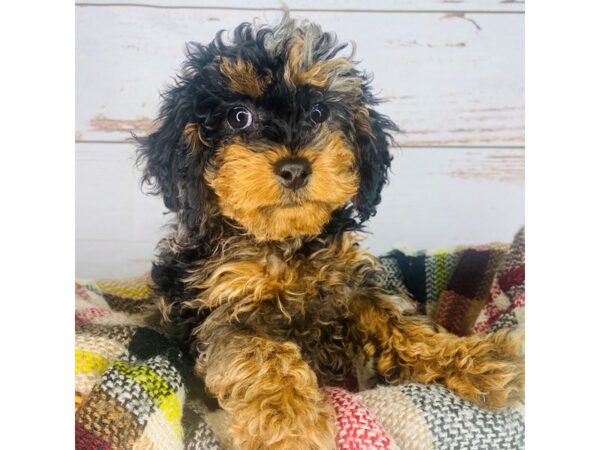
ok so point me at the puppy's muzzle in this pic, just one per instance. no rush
(293, 173)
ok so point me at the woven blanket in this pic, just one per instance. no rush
(135, 389)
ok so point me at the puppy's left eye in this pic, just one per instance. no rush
(239, 118)
(319, 113)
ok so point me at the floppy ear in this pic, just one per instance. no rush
(172, 158)
(160, 155)
(374, 162)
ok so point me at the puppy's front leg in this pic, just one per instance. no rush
(270, 392)
(485, 369)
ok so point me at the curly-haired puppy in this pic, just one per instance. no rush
(268, 151)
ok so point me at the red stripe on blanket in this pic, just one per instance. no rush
(89, 314)
(494, 313)
(514, 277)
(357, 428)
(87, 440)
(82, 292)
(452, 309)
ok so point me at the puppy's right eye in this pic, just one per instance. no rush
(239, 118)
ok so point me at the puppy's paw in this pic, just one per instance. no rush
(485, 369)
(300, 426)
(271, 393)
(490, 370)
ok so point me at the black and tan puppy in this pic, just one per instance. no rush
(268, 151)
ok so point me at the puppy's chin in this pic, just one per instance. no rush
(273, 223)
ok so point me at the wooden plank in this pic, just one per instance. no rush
(451, 79)
(443, 197)
(504, 6)
(109, 203)
(436, 197)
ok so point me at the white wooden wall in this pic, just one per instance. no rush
(453, 72)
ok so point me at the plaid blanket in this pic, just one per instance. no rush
(135, 389)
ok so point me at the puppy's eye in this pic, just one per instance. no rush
(239, 118)
(319, 113)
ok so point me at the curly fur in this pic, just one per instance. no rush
(486, 369)
(256, 378)
(268, 286)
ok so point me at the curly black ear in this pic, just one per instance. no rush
(374, 163)
(161, 153)
(172, 159)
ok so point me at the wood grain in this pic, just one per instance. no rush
(490, 6)
(436, 197)
(452, 78)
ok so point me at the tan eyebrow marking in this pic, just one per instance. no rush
(243, 78)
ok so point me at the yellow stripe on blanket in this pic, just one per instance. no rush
(165, 398)
(86, 361)
(134, 288)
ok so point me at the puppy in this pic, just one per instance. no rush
(271, 156)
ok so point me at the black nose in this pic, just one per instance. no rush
(293, 173)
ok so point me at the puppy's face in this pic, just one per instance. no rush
(273, 132)
(285, 159)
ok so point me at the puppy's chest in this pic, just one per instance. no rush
(272, 278)
(303, 298)
(293, 282)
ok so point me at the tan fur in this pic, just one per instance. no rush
(191, 136)
(363, 121)
(271, 393)
(300, 70)
(485, 369)
(245, 273)
(250, 193)
(243, 78)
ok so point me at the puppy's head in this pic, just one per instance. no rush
(273, 132)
